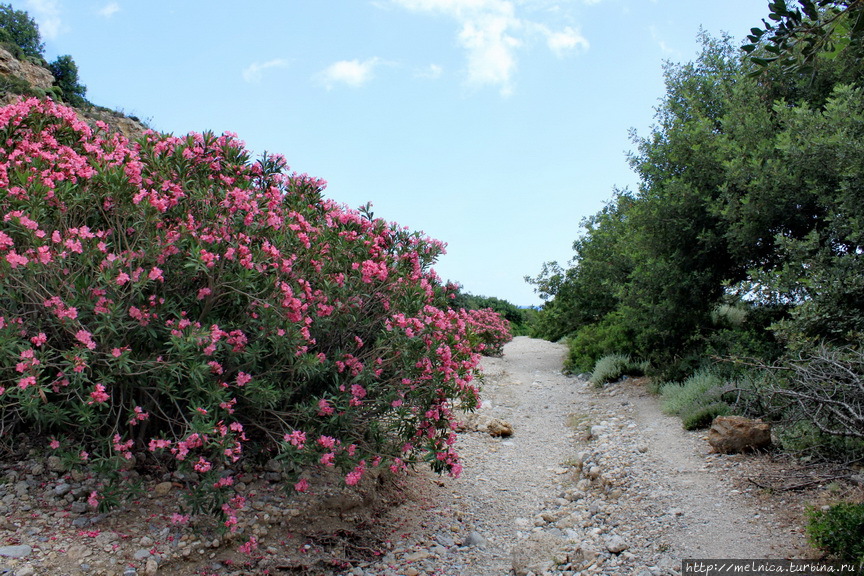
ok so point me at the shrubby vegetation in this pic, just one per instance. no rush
(518, 318)
(174, 303)
(614, 366)
(838, 530)
(741, 254)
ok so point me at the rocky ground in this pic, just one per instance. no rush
(590, 482)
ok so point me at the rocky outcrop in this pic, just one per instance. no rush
(732, 434)
(36, 76)
(127, 126)
(39, 81)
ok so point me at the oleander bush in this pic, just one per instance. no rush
(493, 330)
(171, 302)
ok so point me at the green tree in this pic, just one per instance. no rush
(798, 36)
(65, 73)
(19, 29)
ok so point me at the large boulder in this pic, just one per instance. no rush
(732, 434)
(485, 423)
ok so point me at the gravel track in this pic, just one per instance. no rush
(590, 482)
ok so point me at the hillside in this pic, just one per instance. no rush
(24, 78)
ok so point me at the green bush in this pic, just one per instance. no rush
(838, 531)
(614, 366)
(806, 440)
(698, 416)
(697, 400)
(594, 341)
(679, 397)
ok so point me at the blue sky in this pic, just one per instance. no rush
(495, 126)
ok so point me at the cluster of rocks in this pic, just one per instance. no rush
(50, 528)
(594, 525)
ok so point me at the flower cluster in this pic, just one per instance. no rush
(492, 330)
(172, 296)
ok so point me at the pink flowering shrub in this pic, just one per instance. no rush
(172, 301)
(491, 329)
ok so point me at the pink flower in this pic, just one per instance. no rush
(85, 338)
(99, 395)
(179, 518)
(324, 408)
(93, 499)
(16, 259)
(55, 444)
(243, 378)
(223, 482)
(355, 475)
(327, 441)
(26, 382)
(296, 439)
(249, 546)
(158, 444)
(328, 459)
(156, 274)
(302, 485)
(202, 465)
(39, 339)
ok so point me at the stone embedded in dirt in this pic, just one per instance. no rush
(474, 539)
(537, 554)
(485, 423)
(163, 488)
(499, 428)
(616, 544)
(15, 551)
(732, 434)
(55, 464)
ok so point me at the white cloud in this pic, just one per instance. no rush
(47, 16)
(255, 71)
(109, 10)
(662, 44)
(351, 72)
(491, 33)
(431, 72)
(566, 41)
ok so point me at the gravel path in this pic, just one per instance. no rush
(590, 482)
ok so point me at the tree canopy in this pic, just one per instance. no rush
(65, 73)
(750, 196)
(19, 29)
